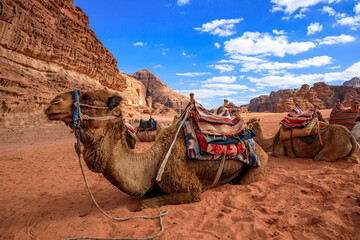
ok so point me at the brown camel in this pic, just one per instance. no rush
(339, 144)
(105, 151)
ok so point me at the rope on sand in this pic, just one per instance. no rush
(160, 215)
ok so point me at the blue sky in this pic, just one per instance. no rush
(234, 49)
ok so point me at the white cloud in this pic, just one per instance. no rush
(254, 43)
(301, 14)
(314, 28)
(272, 66)
(222, 27)
(208, 93)
(328, 10)
(298, 80)
(187, 55)
(158, 66)
(222, 79)
(193, 74)
(139, 44)
(357, 8)
(223, 67)
(217, 45)
(281, 32)
(225, 86)
(290, 6)
(182, 2)
(164, 51)
(331, 40)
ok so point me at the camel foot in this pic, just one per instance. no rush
(349, 159)
(170, 199)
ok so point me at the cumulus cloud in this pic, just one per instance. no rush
(193, 74)
(297, 80)
(281, 32)
(182, 2)
(328, 10)
(207, 93)
(139, 44)
(222, 79)
(217, 45)
(225, 86)
(222, 27)
(331, 40)
(314, 28)
(255, 43)
(275, 66)
(290, 6)
(223, 67)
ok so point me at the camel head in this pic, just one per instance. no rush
(254, 124)
(94, 104)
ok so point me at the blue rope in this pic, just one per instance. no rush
(76, 111)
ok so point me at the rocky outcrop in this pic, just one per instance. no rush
(354, 82)
(238, 109)
(321, 94)
(47, 47)
(160, 92)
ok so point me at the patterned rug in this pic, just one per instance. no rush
(342, 116)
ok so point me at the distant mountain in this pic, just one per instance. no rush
(321, 94)
(160, 92)
(355, 82)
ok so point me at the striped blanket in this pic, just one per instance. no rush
(297, 118)
(346, 117)
(221, 122)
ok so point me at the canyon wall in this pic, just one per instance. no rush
(47, 47)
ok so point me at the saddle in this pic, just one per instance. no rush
(219, 134)
(300, 124)
(149, 125)
(346, 117)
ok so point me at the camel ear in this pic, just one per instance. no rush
(114, 101)
(258, 119)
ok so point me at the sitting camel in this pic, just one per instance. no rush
(105, 151)
(339, 144)
(150, 133)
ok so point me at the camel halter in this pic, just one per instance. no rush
(77, 118)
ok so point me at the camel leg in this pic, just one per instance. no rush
(279, 151)
(329, 154)
(170, 199)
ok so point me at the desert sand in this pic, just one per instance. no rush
(43, 196)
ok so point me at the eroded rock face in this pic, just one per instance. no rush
(159, 92)
(354, 82)
(321, 94)
(47, 47)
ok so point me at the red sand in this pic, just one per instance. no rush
(43, 196)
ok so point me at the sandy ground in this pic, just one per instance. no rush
(43, 196)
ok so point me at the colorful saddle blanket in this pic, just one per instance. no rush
(298, 119)
(221, 122)
(346, 117)
(201, 147)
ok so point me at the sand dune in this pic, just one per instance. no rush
(43, 196)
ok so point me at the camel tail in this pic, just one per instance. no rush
(355, 145)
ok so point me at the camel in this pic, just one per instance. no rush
(149, 135)
(105, 151)
(339, 144)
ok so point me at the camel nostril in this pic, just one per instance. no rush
(55, 102)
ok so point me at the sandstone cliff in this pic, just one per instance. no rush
(354, 82)
(321, 94)
(161, 93)
(47, 47)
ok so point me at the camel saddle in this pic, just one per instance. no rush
(346, 117)
(300, 124)
(149, 125)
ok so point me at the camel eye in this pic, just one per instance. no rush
(87, 98)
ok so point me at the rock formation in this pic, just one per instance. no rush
(160, 92)
(47, 47)
(321, 94)
(354, 82)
